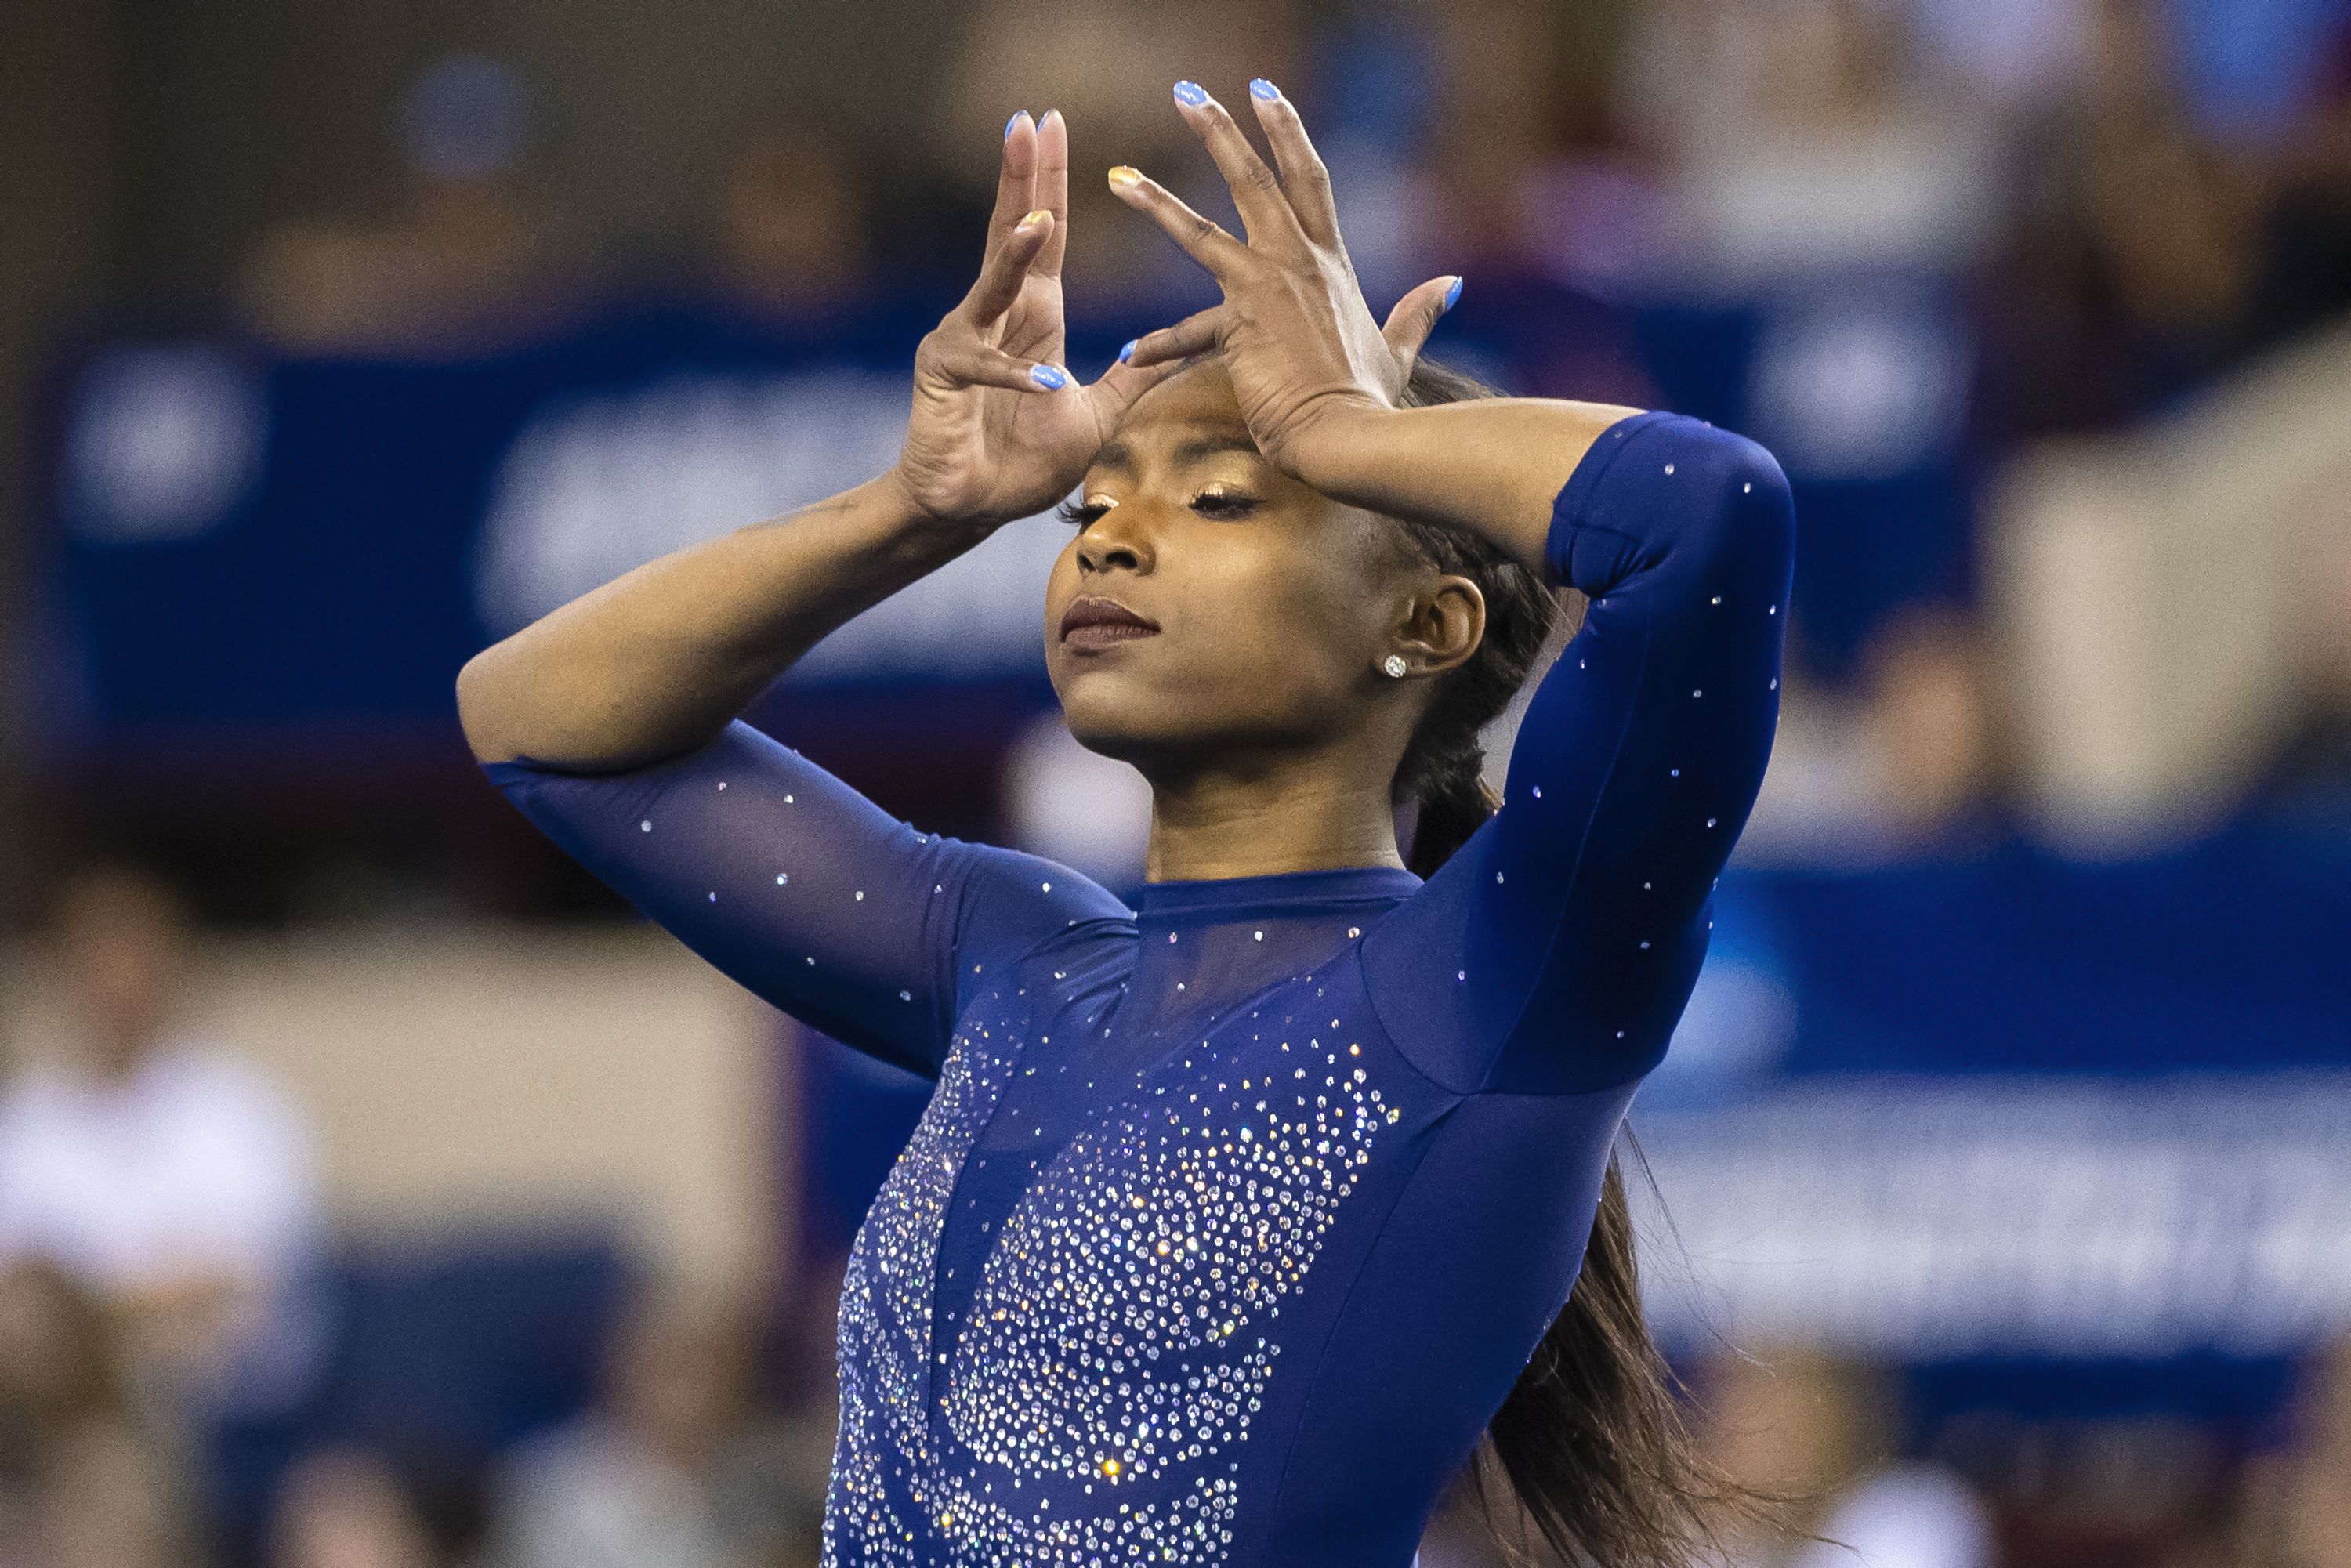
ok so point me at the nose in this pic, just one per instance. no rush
(1117, 541)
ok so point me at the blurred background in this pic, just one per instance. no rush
(376, 1193)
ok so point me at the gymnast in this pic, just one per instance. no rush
(1242, 1221)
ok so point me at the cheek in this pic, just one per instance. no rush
(1265, 635)
(1275, 636)
(1060, 584)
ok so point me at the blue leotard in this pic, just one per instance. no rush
(1233, 1217)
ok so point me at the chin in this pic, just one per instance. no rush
(1116, 731)
(1121, 719)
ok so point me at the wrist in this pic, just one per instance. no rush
(1332, 449)
(904, 500)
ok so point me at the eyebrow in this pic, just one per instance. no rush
(1118, 455)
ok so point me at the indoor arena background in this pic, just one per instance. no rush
(2005, 1150)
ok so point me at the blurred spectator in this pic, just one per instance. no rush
(165, 1176)
(1796, 1424)
(56, 1372)
(346, 1509)
(466, 253)
(1910, 770)
(1807, 137)
(106, 1500)
(1829, 186)
(83, 1482)
(1108, 67)
(2123, 280)
(677, 1468)
(790, 228)
(1489, 169)
(2305, 271)
(57, 1379)
(2309, 785)
(2301, 1498)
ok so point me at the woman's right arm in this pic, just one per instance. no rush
(656, 663)
(611, 722)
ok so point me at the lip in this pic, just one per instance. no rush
(1094, 623)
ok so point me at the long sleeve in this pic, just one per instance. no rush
(804, 891)
(1554, 951)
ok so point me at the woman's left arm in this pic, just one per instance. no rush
(1554, 951)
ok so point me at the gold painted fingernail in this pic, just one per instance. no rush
(1031, 219)
(1123, 176)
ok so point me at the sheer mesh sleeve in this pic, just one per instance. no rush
(1554, 952)
(806, 891)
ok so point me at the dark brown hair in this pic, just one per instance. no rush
(1592, 1441)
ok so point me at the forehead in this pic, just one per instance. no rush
(1199, 397)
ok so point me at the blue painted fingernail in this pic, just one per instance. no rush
(1013, 121)
(1128, 352)
(1453, 293)
(1261, 88)
(1191, 92)
(1048, 376)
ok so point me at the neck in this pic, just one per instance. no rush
(1262, 816)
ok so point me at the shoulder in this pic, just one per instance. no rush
(1012, 903)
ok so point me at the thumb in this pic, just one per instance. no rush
(1414, 316)
(1115, 392)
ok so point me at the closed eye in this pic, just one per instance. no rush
(1224, 503)
(1218, 503)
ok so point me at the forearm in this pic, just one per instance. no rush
(1492, 465)
(657, 662)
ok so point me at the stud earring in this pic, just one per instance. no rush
(1396, 666)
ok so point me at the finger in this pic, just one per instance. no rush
(1203, 240)
(998, 284)
(960, 361)
(1196, 334)
(1415, 316)
(1257, 189)
(1015, 173)
(1304, 178)
(1051, 189)
(1115, 392)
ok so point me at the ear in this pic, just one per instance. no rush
(1442, 624)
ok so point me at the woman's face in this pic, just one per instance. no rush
(1272, 605)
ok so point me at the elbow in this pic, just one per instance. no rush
(477, 703)
(1746, 517)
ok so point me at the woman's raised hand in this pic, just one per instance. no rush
(1293, 330)
(1000, 429)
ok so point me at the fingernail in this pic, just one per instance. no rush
(1191, 92)
(1128, 352)
(1453, 293)
(1013, 121)
(1031, 218)
(1124, 175)
(1261, 88)
(1047, 376)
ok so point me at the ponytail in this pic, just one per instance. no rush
(1454, 804)
(1591, 1442)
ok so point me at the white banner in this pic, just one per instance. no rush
(1915, 1219)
